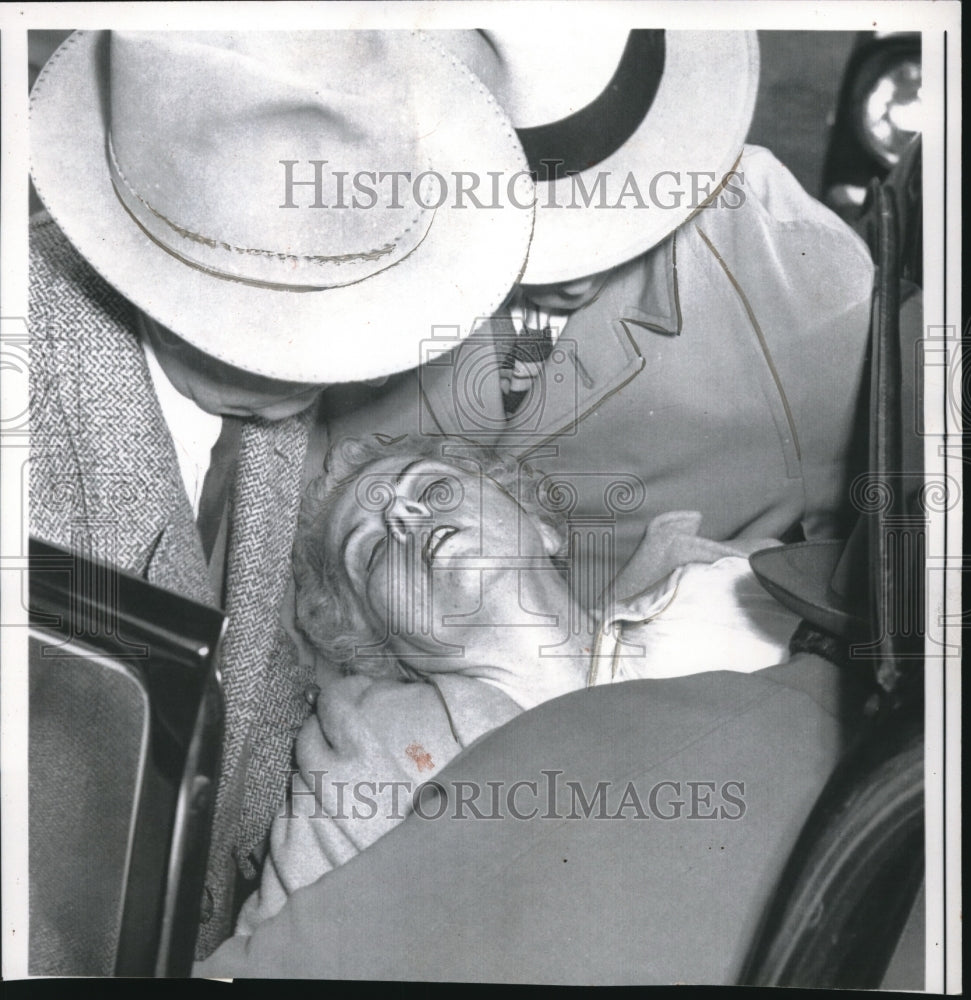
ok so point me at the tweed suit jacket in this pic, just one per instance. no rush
(104, 480)
(720, 372)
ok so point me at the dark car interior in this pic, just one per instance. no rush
(125, 730)
(855, 875)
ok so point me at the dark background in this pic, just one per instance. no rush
(801, 73)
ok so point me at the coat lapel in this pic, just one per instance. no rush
(648, 290)
(460, 387)
(261, 676)
(263, 521)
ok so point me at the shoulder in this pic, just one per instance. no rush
(53, 260)
(74, 314)
(64, 288)
(774, 189)
(796, 260)
(770, 187)
(767, 198)
(379, 724)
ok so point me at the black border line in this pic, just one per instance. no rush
(944, 846)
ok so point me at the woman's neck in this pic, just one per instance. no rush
(535, 664)
(555, 674)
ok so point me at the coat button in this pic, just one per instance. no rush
(310, 694)
(207, 907)
(200, 792)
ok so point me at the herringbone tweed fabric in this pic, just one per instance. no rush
(262, 682)
(105, 480)
(103, 472)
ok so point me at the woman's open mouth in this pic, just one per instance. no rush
(435, 541)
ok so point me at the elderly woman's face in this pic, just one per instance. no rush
(434, 553)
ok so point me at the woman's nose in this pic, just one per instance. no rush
(404, 515)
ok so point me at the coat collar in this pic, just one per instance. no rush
(645, 290)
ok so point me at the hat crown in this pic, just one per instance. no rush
(620, 129)
(548, 75)
(239, 152)
(395, 98)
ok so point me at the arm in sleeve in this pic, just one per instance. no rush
(360, 757)
(808, 281)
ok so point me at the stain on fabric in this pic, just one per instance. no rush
(421, 757)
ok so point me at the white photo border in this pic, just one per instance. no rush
(940, 26)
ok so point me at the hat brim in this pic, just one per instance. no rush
(799, 577)
(689, 140)
(461, 272)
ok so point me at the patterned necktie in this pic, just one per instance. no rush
(523, 363)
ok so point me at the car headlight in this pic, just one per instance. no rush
(888, 104)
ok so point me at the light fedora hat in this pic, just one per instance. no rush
(164, 158)
(637, 123)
